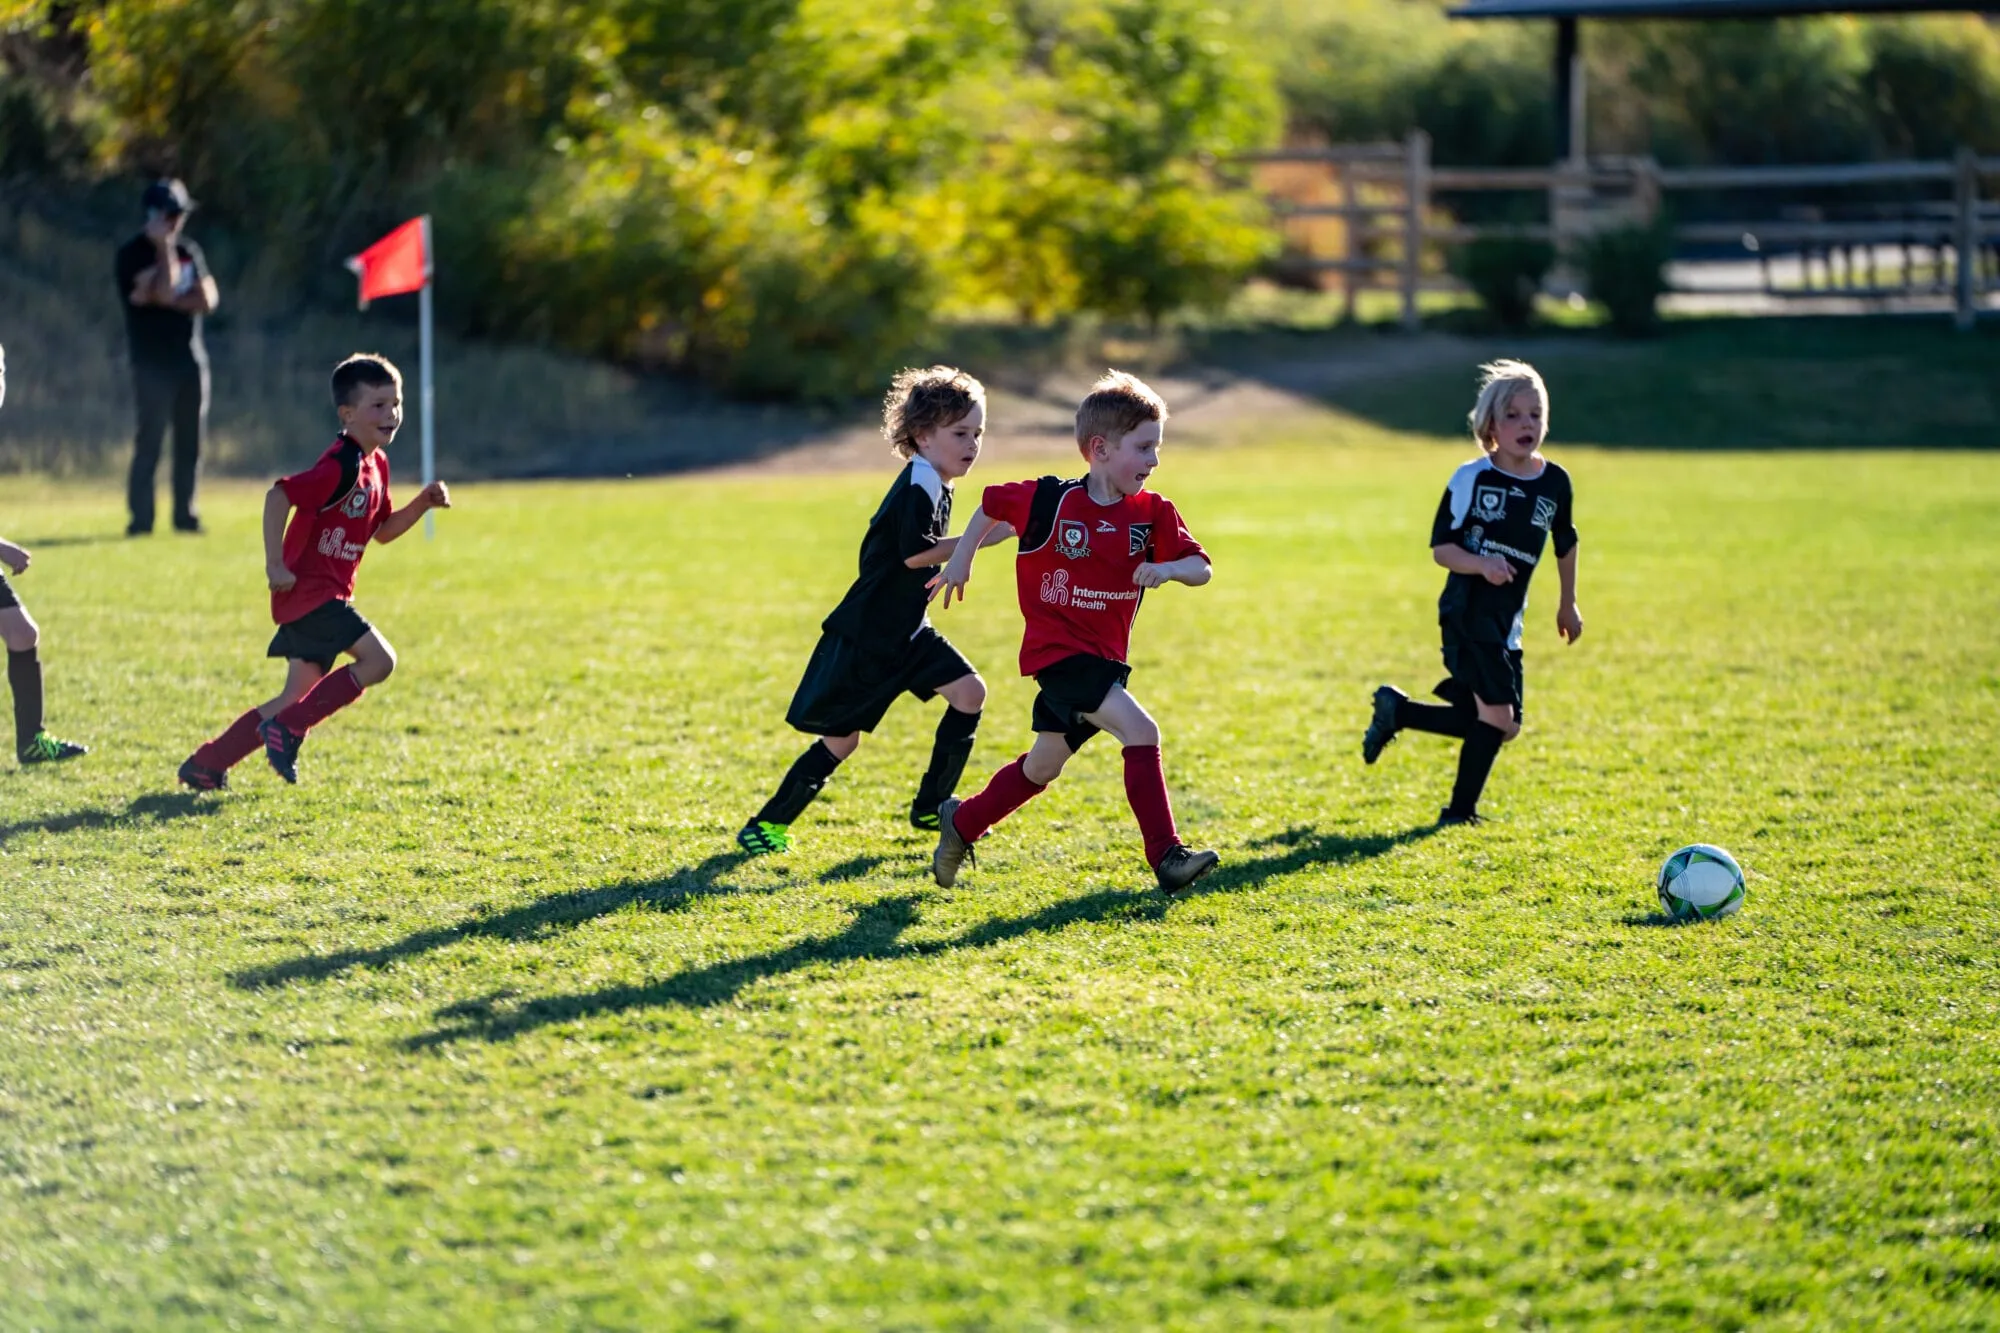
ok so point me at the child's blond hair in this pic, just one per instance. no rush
(921, 401)
(1116, 405)
(1499, 381)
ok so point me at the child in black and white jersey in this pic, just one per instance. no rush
(1498, 513)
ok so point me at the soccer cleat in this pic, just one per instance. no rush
(46, 749)
(1181, 867)
(202, 778)
(281, 747)
(953, 850)
(760, 837)
(1449, 818)
(927, 820)
(1381, 727)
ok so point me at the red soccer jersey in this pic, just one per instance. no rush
(1076, 588)
(337, 504)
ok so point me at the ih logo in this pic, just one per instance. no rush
(1073, 540)
(1055, 587)
(1142, 537)
(1545, 513)
(1489, 502)
(357, 502)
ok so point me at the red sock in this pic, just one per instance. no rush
(333, 693)
(1007, 791)
(1146, 789)
(233, 746)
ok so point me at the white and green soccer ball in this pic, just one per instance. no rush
(1701, 883)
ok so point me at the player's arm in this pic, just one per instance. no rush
(277, 508)
(16, 558)
(944, 550)
(1193, 570)
(434, 496)
(1569, 620)
(958, 569)
(1493, 568)
(200, 299)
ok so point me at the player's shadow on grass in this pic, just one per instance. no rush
(875, 933)
(154, 809)
(561, 911)
(1299, 849)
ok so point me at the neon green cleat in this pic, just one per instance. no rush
(46, 749)
(760, 838)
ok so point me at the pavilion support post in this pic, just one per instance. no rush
(1965, 238)
(1572, 143)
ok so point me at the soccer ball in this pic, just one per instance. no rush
(1701, 883)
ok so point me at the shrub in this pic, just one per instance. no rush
(1505, 273)
(1625, 270)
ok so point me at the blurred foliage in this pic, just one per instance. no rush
(1625, 271)
(783, 195)
(780, 195)
(1505, 273)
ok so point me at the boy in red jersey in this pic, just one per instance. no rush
(336, 506)
(1089, 550)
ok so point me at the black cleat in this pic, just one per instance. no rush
(201, 778)
(1450, 818)
(281, 747)
(1181, 867)
(1381, 727)
(762, 838)
(47, 749)
(953, 850)
(925, 819)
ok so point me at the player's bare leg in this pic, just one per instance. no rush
(32, 744)
(286, 730)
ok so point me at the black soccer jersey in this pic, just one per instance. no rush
(1490, 512)
(888, 601)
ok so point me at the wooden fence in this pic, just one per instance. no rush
(1392, 231)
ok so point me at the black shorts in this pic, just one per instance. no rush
(321, 635)
(1490, 671)
(1072, 687)
(848, 687)
(7, 598)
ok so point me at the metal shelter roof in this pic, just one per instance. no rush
(1708, 9)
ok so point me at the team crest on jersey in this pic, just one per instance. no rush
(357, 502)
(1489, 502)
(1545, 513)
(1142, 537)
(1073, 539)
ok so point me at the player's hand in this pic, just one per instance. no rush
(436, 496)
(1569, 622)
(949, 580)
(14, 557)
(1152, 575)
(1496, 570)
(280, 578)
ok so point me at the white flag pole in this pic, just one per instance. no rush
(428, 395)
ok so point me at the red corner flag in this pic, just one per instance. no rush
(399, 262)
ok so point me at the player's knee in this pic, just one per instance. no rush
(1044, 764)
(1143, 732)
(19, 632)
(971, 695)
(842, 746)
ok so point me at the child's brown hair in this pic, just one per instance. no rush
(370, 369)
(921, 401)
(1116, 405)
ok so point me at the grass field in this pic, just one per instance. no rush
(484, 1025)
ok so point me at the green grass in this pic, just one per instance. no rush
(484, 1026)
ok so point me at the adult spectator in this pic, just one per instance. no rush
(165, 284)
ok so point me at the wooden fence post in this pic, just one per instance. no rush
(1352, 276)
(1966, 237)
(1417, 188)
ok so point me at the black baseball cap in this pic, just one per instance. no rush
(168, 195)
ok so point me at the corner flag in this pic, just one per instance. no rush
(401, 262)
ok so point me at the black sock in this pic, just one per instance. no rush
(949, 752)
(1438, 719)
(24, 677)
(803, 780)
(1475, 761)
